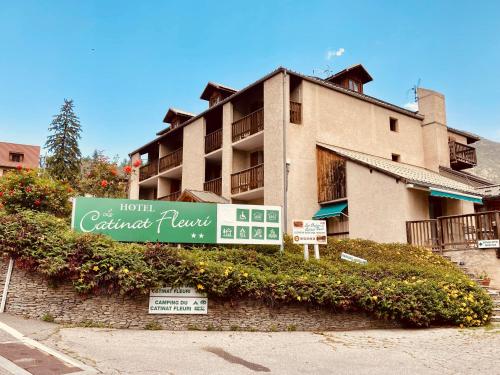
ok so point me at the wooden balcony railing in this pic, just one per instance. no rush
(171, 197)
(248, 179)
(171, 160)
(148, 170)
(454, 232)
(213, 141)
(215, 186)
(462, 156)
(295, 112)
(248, 125)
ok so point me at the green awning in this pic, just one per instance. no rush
(454, 195)
(332, 210)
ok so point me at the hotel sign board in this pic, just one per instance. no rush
(309, 232)
(178, 222)
(488, 244)
(176, 301)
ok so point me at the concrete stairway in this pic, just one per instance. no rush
(493, 293)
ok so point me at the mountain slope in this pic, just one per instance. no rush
(488, 160)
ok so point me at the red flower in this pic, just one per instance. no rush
(37, 202)
(70, 190)
(127, 169)
(28, 189)
(114, 172)
(19, 167)
(1, 193)
(137, 163)
(104, 183)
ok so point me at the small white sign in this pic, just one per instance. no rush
(488, 244)
(184, 300)
(309, 232)
(352, 258)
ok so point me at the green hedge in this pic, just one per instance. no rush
(400, 282)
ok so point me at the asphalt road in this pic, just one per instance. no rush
(434, 351)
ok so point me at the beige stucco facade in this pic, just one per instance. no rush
(378, 204)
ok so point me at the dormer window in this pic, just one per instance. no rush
(354, 85)
(16, 157)
(215, 93)
(352, 78)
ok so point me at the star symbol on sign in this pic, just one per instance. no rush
(201, 235)
(193, 235)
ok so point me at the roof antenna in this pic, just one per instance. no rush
(414, 89)
(325, 72)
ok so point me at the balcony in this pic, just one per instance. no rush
(215, 186)
(248, 125)
(171, 197)
(148, 170)
(247, 183)
(295, 112)
(462, 156)
(213, 141)
(170, 161)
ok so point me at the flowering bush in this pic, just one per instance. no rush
(400, 282)
(31, 189)
(101, 178)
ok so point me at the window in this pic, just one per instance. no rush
(256, 158)
(396, 157)
(353, 85)
(16, 157)
(393, 124)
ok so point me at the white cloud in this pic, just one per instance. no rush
(330, 54)
(412, 106)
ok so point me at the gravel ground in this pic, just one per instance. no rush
(431, 351)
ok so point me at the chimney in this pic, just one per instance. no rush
(431, 105)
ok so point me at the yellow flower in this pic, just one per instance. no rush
(201, 263)
(245, 274)
(374, 298)
(226, 272)
(202, 270)
(111, 268)
(199, 286)
(298, 298)
(125, 270)
(338, 282)
(96, 268)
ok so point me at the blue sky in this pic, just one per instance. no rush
(125, 62)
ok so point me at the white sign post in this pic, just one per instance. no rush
(309, 232)
(184, 300)
(488, 244)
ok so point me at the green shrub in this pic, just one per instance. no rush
(401, 282)
(24, 189)
(47, 317)
(153, 326)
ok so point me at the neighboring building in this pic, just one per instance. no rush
(13, 155)
(320, 148)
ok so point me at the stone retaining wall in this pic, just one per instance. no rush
(30, 296)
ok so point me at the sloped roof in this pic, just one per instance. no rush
(471, 137)
(203, 196)
(356, 69)
(216, 86)
(31, 155)
(464, 177)
(407, 172)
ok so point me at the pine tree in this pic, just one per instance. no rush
(64, 160)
